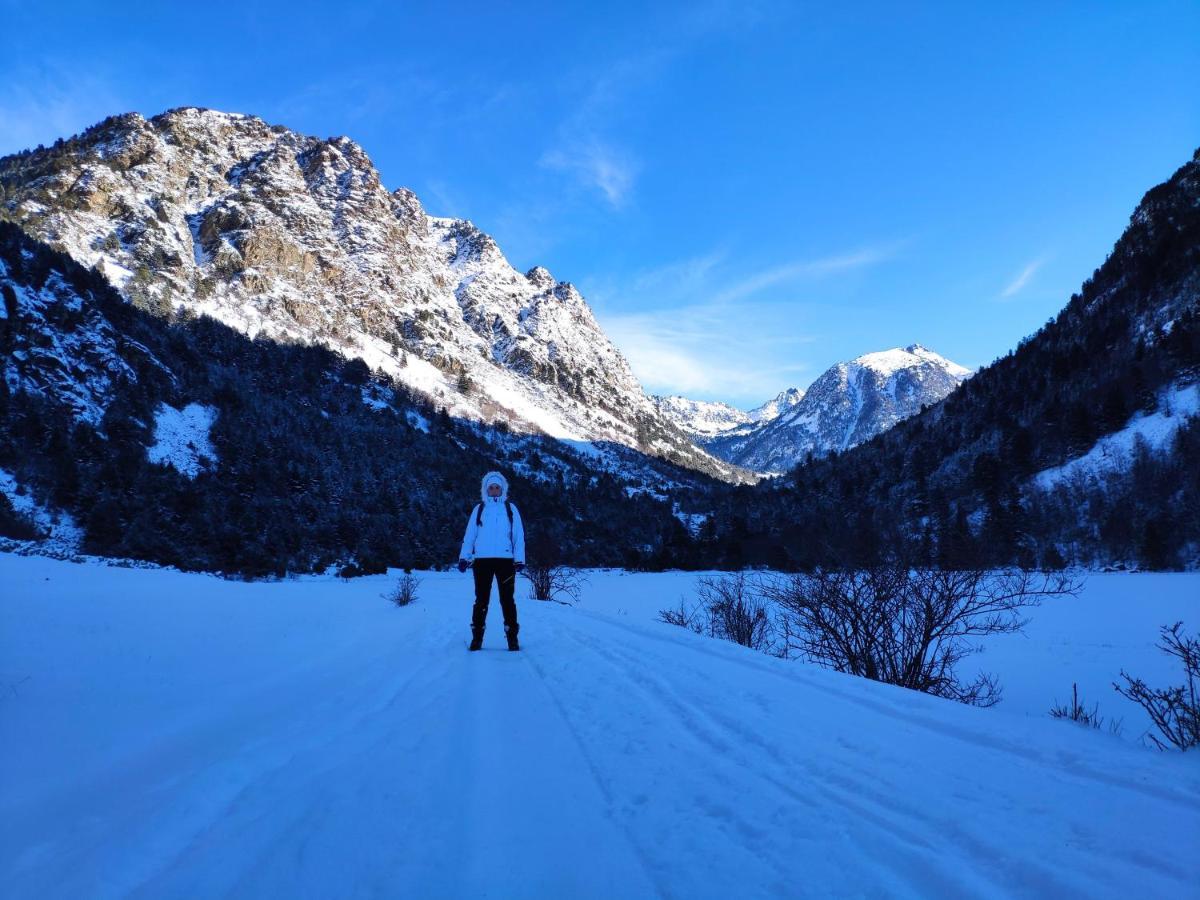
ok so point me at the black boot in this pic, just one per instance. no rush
(511, 634)
(476, 639)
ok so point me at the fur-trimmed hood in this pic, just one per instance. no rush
(499, 479)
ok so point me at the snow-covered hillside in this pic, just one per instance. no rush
(1114, 452)
(59, 534)
(76, 360)
(172, 735)
(181, 438)
(295, 238)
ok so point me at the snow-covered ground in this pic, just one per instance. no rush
(181, 437)
(63, 534)
(167, 734)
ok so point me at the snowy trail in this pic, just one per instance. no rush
(170, 735)
(840, 796)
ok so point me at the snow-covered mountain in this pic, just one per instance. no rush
(703, 419)
(850, 403)
(777, 405)
(296, 239)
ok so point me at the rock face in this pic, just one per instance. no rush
(850, 403)
(295, 238)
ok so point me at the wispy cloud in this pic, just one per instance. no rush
(597, 165)
(696, 324)
(372, 92)
(41, 104)
(806, 268)
(1023, 278)
(586, 145)
(446, 201)
(681, 281)
(701, 351)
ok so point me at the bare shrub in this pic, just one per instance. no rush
(686, 616)
(736, 612)
(909, 627)
(405, 590)
(1077, 712)
(1175, 710)
(554, 582)
(728, 607)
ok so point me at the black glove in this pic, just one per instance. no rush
(518, 566)
(463, 565)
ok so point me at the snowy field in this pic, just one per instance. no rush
(172, 735)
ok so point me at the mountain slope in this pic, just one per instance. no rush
(290, 237)
(305, 738)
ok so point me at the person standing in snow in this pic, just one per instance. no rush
(494, 547)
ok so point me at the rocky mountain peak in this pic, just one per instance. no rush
(293, 237)
(540, 278)
(887, 363)
(849, 403)
(701, 418)
(472, 244)
(778, 404)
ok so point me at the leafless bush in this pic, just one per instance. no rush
(1077, 712)
(553, 582)
(1175, 711)
(909, 627)
(686, 616)
(405, 590)
(735, 611)
(728, 607)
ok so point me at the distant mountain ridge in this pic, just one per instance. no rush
(849, 403)
(293, 238)
(703, 419)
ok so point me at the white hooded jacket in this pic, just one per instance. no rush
(491, 538)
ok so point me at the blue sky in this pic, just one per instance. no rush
(746, 193)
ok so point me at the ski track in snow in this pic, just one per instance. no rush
(172, 735)
(812, 793)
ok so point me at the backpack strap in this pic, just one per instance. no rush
(479, 515)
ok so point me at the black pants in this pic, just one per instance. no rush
(501, 568)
